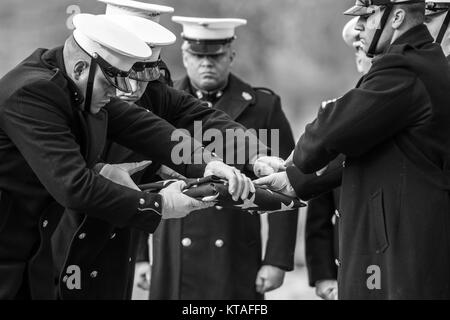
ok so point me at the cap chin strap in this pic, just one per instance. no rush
(444, 27)
(90, 86)
(373, 46)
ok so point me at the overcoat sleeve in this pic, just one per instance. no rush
(182, 110)
(146, 133)
(390, 98)
(36, 119)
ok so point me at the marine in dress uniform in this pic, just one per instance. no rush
(321, 228)
(393, 130)
(217, 253)
(52, 135)
(438, 20)
(49, 146)
(120, 244)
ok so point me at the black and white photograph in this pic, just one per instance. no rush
(224, 156)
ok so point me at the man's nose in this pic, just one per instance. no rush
(360, 24)
(206, 61)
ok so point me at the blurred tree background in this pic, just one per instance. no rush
(293, 47)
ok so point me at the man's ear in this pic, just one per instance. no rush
(185, 59)
(398, 18)
(232, 57)
(79, 68)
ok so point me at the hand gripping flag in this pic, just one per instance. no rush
(263, 200)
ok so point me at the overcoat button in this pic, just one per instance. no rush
(337, 262)
(82, 236)
(94, 274)
(219, 243)
(336, 212)
(186, 242)
(45, 223)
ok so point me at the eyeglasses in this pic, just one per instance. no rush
(145, 71)
(116, 77)
(437, 7)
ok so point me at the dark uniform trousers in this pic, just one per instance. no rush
(394, 130)
(216, 254)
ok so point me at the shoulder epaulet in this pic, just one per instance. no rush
(266, 90)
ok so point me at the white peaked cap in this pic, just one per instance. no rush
(152, 33)
(136, 8)
(208, 28)
(119, 47)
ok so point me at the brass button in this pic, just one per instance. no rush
(156, 205)
(219, 243)
(336, 212)
(82, 236)
(94, 274)
(45, 223)
(338, 263)
(186, 242)
(113, 236)
(142, 201)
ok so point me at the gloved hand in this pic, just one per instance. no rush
(142, 275)
(120, 173)
(269, 278)
(290, 160)
(178, 205)
(239, 185)
(327, 289)
(265, 166)
(278, 182)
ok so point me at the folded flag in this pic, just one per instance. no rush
(263, 200)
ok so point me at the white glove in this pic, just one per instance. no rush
(265, 166)
(120, 173)
(239, 184)
(269, 278)
(327, 289)
(290, 160)
(178, 205)
(142, 275)
(277, 182)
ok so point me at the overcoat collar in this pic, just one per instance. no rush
(415, 37)
(237, 96)
(93, 127)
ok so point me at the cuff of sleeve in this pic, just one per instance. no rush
(283, 267)
(309, 186)
(324, 272)
(148, 213)
(98, 167)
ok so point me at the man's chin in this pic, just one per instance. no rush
(128, 100)
(95, 110)
(208, 84)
